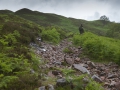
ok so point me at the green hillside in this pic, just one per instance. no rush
(70, 24)
(21, 28)
(17, 59)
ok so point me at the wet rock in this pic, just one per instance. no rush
(81, 68)
(96, 78)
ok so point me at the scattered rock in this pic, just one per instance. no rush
(112, 84)
(112, 76)
(61, 82)
(57, 62)
(51, 87)
(81, 68)
(50, 74)
(96, 78)
(55, 72)
(91, 64)
(77, 59)
(117, 85)
(70, 61)
(57, 59)
(32, 71)
(42, 88)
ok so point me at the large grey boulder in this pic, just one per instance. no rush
(96, 78)
(51, 87)
(61, 82)
(81, 68)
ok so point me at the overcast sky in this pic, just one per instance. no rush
(80, 9)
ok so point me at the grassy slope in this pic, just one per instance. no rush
(15, 58)
(70, 24)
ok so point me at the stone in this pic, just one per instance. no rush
(50, 74)
(32, 71)
(55, 72)
(112, 84)
(51, 87)
(70, 61)
(112, 76)
(77, 59)
(42, 88)
(91, 64)
(81, 68)
(117, 85)
(42, 49)
(61, 82)
(96, 78)
(57, 63)
(102, 78)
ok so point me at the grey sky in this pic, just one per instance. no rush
(80, 9)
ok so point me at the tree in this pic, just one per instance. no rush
(104, 19)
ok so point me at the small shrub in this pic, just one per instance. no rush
(67, 50)
(51, 35)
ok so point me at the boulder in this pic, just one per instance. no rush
(70, 61)
(51, 87)
(96, 78)
(91, 64)
(55, 72)
(112, 76)
(61, 82)
(117, 85)
(42, 88)
(81, 68)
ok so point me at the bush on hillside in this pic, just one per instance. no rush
(51, 35)
(28, 32)
(98, 47)
(114, 31)
(13, 61)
